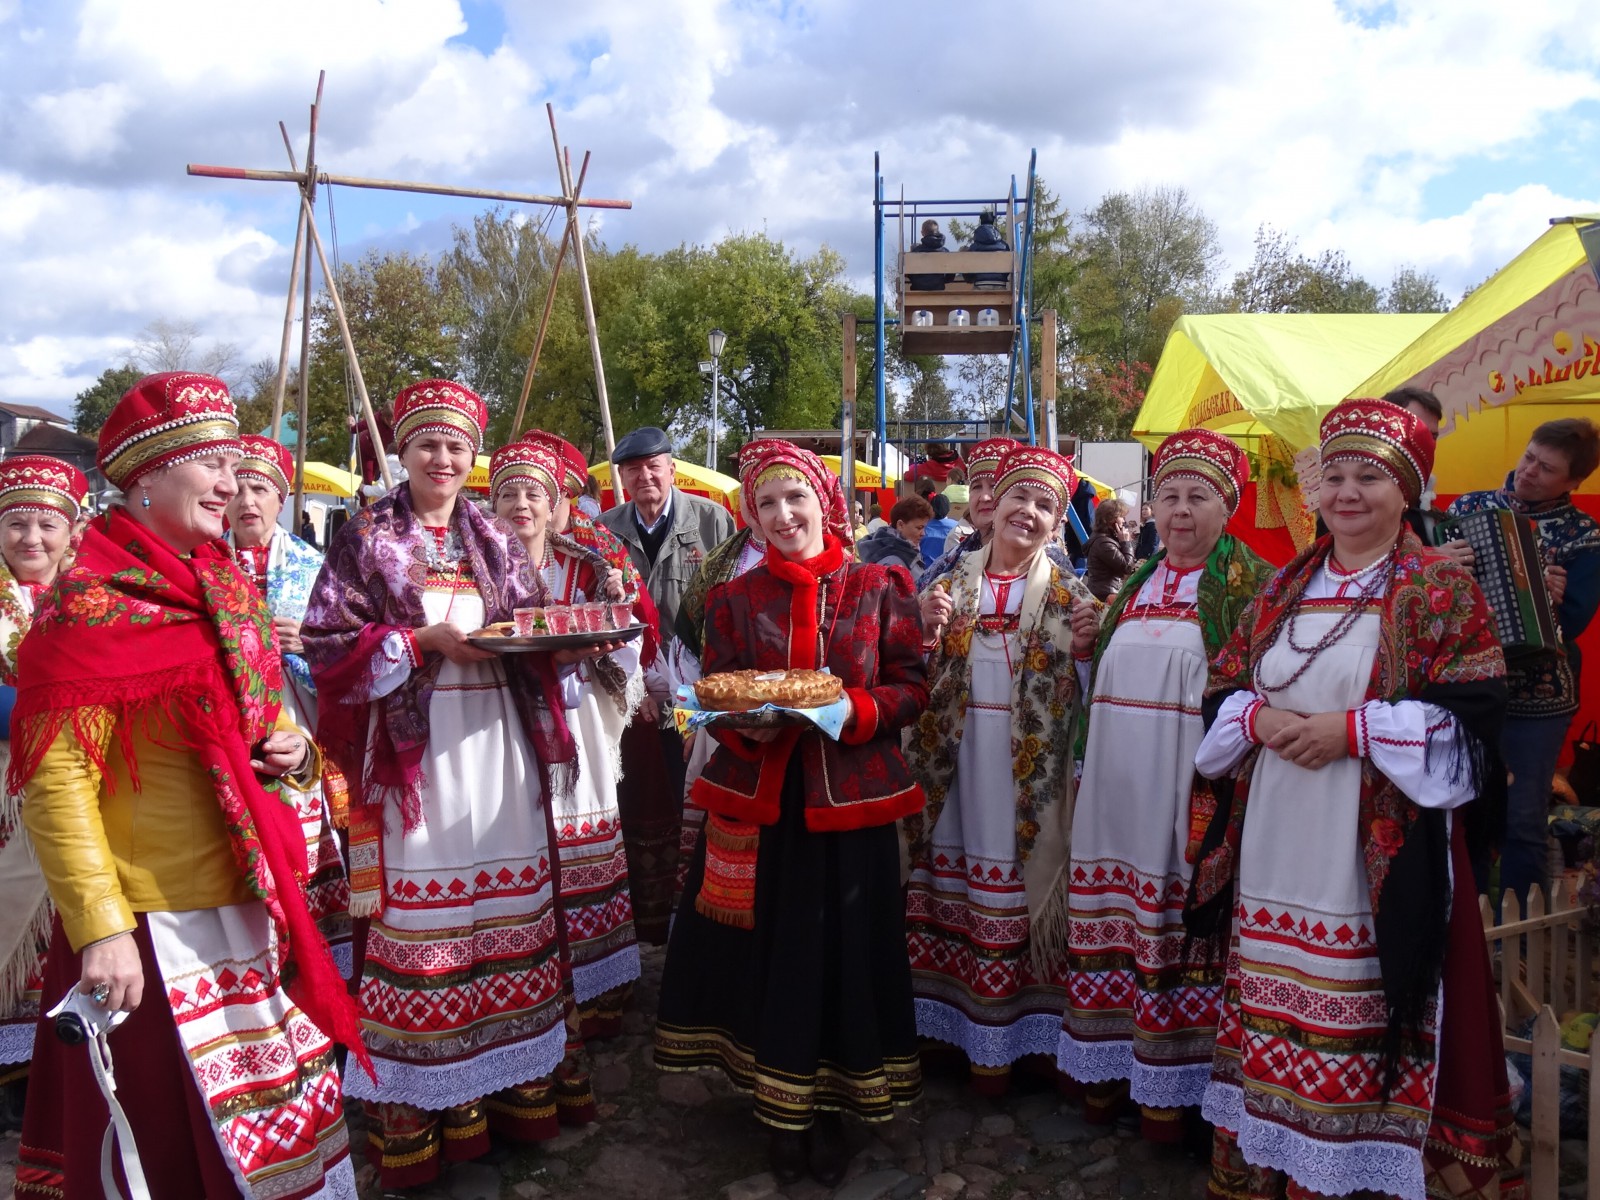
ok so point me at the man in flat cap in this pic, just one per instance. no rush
(668, 534)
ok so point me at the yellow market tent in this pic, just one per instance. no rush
(1522, 349)
(688, 477)
(867, 475)
(478, 480)
(1253, 374)
(320, 479)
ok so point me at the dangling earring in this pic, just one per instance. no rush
(145, 497)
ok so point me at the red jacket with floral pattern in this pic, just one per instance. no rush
(864, 618)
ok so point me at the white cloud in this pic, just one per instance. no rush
(1339, 123)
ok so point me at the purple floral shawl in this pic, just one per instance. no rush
(370, 586)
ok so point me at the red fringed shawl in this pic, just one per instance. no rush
(192, 643)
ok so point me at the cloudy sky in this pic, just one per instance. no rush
(1441, 133)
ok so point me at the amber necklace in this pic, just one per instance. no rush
(1371, 588)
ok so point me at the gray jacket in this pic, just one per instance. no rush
(698, 527)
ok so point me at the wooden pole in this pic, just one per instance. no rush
(1047, 380)
(565, 168)
(393, 185)
(350, 349)
(308, 216)
(549, 304)
(847, 421)
(282, 380)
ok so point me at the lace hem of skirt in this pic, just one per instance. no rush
(989, 1045)
(436, 1088)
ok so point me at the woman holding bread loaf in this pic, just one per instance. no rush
(786, 967)
(986, 908)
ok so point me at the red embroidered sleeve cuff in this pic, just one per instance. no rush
(1357, 737)
(409, 644)
(1249, 715)
(863, 723)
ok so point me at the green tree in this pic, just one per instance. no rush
(1414, 291)
(93, 405)
(1280, 279)
(405, 325)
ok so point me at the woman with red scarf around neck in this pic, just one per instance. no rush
(39, 504)
(154, 799)
(1353, 724)
(986, 906)
(455, 757)
(786, 967)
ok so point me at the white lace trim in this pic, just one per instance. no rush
(1158, 1087)
(989, 1045)
(596, 978)
(436, 1088)
(339, 1183)
(1333, 1169)
(16, 1042)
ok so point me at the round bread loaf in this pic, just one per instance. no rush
(738, 691)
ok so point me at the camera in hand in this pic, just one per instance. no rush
(80, 1017)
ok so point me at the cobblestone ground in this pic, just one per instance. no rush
(691, 1137)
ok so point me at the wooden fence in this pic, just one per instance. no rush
(1546, 963)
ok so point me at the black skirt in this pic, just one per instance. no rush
(811, 1009)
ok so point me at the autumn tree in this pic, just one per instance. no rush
(168, 345)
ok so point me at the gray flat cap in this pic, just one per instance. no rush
(641, 443)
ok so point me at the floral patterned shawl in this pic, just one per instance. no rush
(1437, 644)
(292, 569)
(191, 642)
(1044, 709)
(371, 585)
(14, 618)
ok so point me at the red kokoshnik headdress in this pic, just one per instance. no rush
(984, 457)
(267, 460)
(1042, 469)
(574, 467)
(39, 483)
(1390, 437)
(163, 420)
(526, 460)
(774, 458)
(439, 406)
(1204, 454)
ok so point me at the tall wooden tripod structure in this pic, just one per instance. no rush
(308, 245)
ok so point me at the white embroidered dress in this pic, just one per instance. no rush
(1133, 1012)
(972, 972)
(462, 993)
(1303, 977)
(596, 908)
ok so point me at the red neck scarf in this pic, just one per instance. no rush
(195, 644)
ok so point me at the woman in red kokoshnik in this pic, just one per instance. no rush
(601, 697)
(787, 965)
(153, 749)
(455, 757)
(39, 504)
(1353, 719)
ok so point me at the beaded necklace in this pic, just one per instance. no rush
(1001, 622)
(444, 550)
(1370, 591)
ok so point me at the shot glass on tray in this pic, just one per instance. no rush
(621, 614)
(530, 622)
(561, 619)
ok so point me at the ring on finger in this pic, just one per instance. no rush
(101, 993)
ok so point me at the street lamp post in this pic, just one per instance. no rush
(715, 341)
